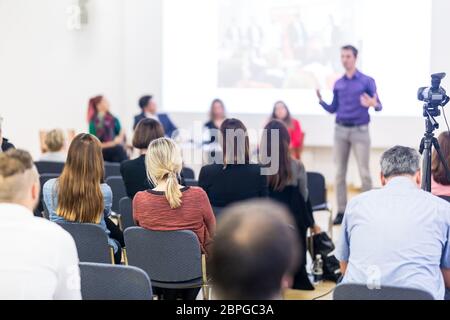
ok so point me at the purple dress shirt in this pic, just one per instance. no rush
(346, 102)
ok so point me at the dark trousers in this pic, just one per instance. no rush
(117, 235)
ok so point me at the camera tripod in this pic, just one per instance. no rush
(426, 149)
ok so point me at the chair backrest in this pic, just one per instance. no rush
(317, 188)
(114, 282)
(91, 241)
(217, 211)
(126, 213)
(191, 182)
(46, 167)
(362, 292)
(166, 256)
(118, 189)
(445, 198)
(112, 170)
(188, 173)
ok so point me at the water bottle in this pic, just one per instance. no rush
(317, 269)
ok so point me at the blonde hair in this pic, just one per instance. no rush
(54, 140)
(80, 197)
(17, 173)
(164, 163)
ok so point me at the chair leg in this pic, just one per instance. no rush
(125, 257)
(112, 255)
(205, 287)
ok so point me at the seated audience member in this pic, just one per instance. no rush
(236, 179)
(255, 252)
(55, 143)
(5, 145)
(281, 112)
(150, 110)
(107, 129)
(79, 194)
(133, 171)
(170, 206)
(399, 235)
(288, 185)
(39, 259)
(440, 183)
(217, 115)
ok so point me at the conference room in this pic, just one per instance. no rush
(224, 150)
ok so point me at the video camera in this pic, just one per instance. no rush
(434, 96)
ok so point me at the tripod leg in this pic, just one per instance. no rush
(437, 147)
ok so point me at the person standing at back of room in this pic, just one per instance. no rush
(354, 95)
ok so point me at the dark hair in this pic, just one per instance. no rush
(249, 265)
(438, 169)
(240, 144)
(92, 107)
(146, 131)
(288, 119)
(144, 101)
(280, 180)
(212, 106)
(352, 49)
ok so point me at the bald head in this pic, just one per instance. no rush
(255, 251)
(19, 180)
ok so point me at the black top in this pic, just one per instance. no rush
(134, 176)
(6, 145)
(232, 184)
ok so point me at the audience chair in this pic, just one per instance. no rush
(445, 198)
(188, 173)
(172, 259)
(112, 170)
(109, 282)
(91, 241)
(318, 196)
(118, 189)
(191, 182)
(126, 213)
(362, 292)
(217, 211)
(46, 167)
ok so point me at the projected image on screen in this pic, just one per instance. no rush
(285, 44)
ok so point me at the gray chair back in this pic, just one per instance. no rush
(218, 211)
(109, 282)
(126, 213)
(91, 241)
(362, 292)
(118, 189)
(170, 258)
(191, 182)
(46, 167)
(112, 170)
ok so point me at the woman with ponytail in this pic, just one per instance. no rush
(107, 129)
(170, 206)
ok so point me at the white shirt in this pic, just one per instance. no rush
(397, 236)
(54, 157)
(39, 260)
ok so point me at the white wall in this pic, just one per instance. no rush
(48, 73)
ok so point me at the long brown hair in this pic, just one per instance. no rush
(276, 128)
(240, 142)
(438, 169)
(80, 198)
(288, 120)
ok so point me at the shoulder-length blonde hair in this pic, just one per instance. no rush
(80, 198)
(164, 163)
